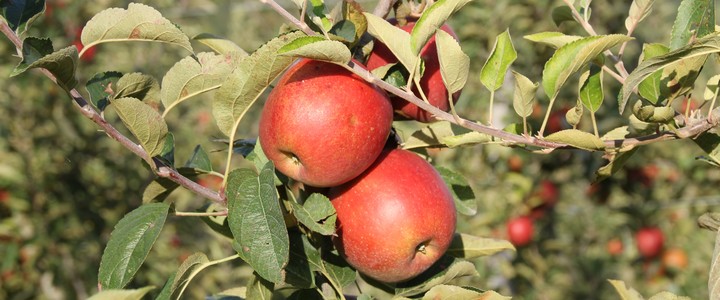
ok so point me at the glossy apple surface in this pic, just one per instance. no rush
(322, 125)
(396, 219)
(431, 82)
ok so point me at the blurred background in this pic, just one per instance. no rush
(64, 184)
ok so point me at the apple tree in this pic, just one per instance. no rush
(338, 198)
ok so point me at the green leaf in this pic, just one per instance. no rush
(168, 152)
(165, 292)
(552, 39)
(562, 14)
(710, 143)
(20, 13)
(220, 45)
(453, 292)
(353, 12)
(701, 48)
(129, 244)
(591, 88)
(117, 294)
(615, 163)
(430, 21)
(139, 86)
(667, 296)
(572, 57)
(466, 139)
(199, 160)
(396, 39)
(437, 134)
(144, 122)
(195, 75)
(574, 115)
(245, 85)
(711, 88)
(639, 9)
(317, 48)
(695, 19)
(256, 221)
(454, 63)
(578, 139)
(626, 293)
(38, 53)
(524, 95)
(317, 15)
(259, 288)
(443, 271)
(101, 87)
(649, 88)
(317, 214)
(653, 114)
(158, 190)
(298, 272)
(343, 31)
(187, 271)
(501, 57)
(467, 246)
(464, 197)
(337, 270)
(138, 23)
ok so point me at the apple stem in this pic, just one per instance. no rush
(547, 116)
(490, 111)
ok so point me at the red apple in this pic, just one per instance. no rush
(520, 230)
(89, 54)
(614, 247)
(548, 192)
(649, 241)
(322, 125)
(396, 219)
(431, 82)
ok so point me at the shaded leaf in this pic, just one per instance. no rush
(199, 160)
(256, 221)
(710, 143)
(218, 224)
(129, 244)
(653, 114)
(252, 76)
(443, 271)
(454, 63)
(192, 265)
(139, 86)
(396, 39)
(220, 45)
(626, 293)
(259, 288)
(337, 270)
(167, 155)
(467, 246)
(463, 195)
(649, 88)
(317, 48)
(501, 57)
(353, 12)
(577, 138)
(432, 18)
(138, 22)
(591, 88)
(700, 48)
(573, 115)
(144, 122)
(195, 75)
(298, 272)
(317, 214)
(616, 162)
(562, 14)
(524, 95)
(20, 13)
(38, 53)
(695, 19)
(552, 39)
(165, 292)
(343, 31)
(116, 294)
(639, 9)
(101, 87)
(573, 56)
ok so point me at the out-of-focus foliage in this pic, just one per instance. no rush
(68, 184)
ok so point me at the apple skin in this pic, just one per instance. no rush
(431, 82)
(396, 219)
(650, 241)
(322, 125)
(520, 230)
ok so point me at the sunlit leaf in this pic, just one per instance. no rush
(38, 53)
(454, 63)
(467, 246)
(453, 292)
(138, 23)
(116, 294)
(130, 243)
(187, 271)
(572, 57)
(591, 88)
(317, 48)
(256, 221)
(524, 95)
(245, 85)
(577, 138)
(695, 19)
(220, 45)
(639, 9)
(396, 39)
(144, 122)
(503, 54)
(626, 293)
(552, 38)
(432, 18)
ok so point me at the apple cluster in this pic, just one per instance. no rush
(326, 127)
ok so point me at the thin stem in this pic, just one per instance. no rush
(201, 214)
(612, 73)
(455, 115)
(594, 122)
(285, 14)
(490, 110)
(547, 116)
(202, 267)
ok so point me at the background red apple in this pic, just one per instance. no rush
(649, 241)
(396, 219)
(520, 230)
(431, 82)
(322, 125)
(614, 247)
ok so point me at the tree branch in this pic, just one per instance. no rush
(88, 111)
